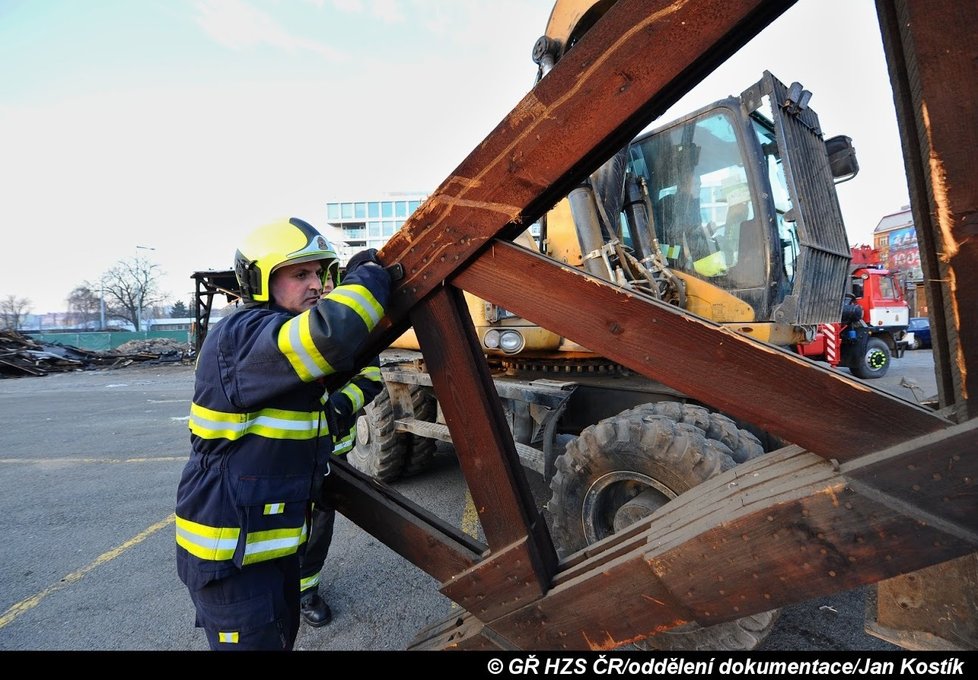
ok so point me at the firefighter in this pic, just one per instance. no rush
(361, 391)
(261, 435)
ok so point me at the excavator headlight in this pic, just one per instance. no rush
(491, 339)
(511, 342)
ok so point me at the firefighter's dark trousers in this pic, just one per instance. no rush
(317, 545)
(256, 608)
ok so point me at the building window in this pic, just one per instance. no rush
(351, 231)
(387, 209)
(373, 209)
(361, 211)
(332, 211)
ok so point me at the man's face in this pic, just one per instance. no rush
(298, 287)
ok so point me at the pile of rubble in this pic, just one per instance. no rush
(21, 356)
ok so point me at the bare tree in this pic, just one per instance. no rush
(13, 310)
(132, 286)
(84, 304)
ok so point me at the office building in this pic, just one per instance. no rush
(359, 224)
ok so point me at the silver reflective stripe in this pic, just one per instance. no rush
(272, 423)
(361, 302)
(206, 542)
(267, 545)
(299, 350)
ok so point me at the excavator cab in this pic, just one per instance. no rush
(729, 212)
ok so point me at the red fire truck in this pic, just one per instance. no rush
(873, 328)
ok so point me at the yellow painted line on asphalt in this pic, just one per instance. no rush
(31, 602)
(60, 461)
(470, 522)
(470, 518)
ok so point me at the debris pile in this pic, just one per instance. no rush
(22, 356)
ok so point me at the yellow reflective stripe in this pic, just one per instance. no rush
(309, 582)
(355, 395)
(228, 637)
(372, 373)
(206, 543)
(271, 423)
(360, 300)
(295, 343)
(267, 545)
(274, 509)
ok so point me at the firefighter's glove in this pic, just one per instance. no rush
(368, 256)
(342, 411)
(339, 414)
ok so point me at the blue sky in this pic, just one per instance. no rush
(178, 125)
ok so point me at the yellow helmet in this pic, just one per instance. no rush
(287, 241)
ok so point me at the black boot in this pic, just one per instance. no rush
(314, 610)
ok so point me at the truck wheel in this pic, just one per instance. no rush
(379, 451)
(621, 470)
(874, 362)
(421, 450)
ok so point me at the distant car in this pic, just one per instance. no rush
(920, 327)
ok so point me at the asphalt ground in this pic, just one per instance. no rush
(89, 464)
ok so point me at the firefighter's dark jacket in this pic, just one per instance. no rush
(260, 425)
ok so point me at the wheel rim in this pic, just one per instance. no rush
(618, 498)
(363, 431)
(876, 359)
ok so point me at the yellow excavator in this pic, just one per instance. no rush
(729, 213)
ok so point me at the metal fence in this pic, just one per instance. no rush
(101, 341)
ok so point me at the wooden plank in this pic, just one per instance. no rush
(742, 543)
(640, 58)
(792, 396)
(501, 583)
(928, 477)
(459, 632)
(931, 609)
(405, 527)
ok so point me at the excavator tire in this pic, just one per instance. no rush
(623, 468)
(742, 444)
(421, 449)
(379, 450)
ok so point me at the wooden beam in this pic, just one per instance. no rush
(930, 55)
(639, 59)
(405, 527)
(523, 560)
(792, 396)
